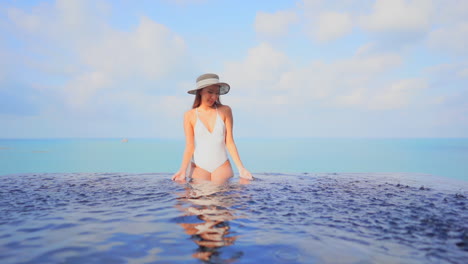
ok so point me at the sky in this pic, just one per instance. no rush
(297, 69)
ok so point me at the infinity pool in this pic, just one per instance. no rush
(278, 218)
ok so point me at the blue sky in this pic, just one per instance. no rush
(308, 68)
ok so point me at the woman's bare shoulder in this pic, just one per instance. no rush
(225, 111)
(225, 108)
(189, 114)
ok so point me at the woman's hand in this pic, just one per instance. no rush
(245, 174)
(179, 176)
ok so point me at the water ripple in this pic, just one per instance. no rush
(303, 218)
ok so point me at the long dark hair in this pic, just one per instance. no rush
(197, 101)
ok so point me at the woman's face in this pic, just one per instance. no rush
(210, 94)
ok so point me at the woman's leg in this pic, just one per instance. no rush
(199, 174)
(222, 173)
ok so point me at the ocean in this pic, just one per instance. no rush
(443, 157)
(312, 201)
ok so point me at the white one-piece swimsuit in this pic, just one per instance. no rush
(210, 148)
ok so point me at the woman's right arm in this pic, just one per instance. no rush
(189, 147)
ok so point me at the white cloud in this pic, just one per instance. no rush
(365, 49)
(399, 16)
(151, 106)
(370, 64)
(359, 87)
(451, 39)
(66, 22)
(443, 68)
(267, 76)
(328, 82)
(353, 98)
(450, 12)
(81, 14)
(29, 23)
(312, 3)
(332, 25)
(450, 32)
(326, 21)
(151, 51)
(448, 72)
(463, 73)
(80, 89)
(274, 24)
(397, 95)
(302, 84)
(258, 70)
(94, 55)
(97, 70)
(185, 2)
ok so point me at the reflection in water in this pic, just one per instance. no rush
(207, 214)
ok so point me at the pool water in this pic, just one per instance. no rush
(278, 218)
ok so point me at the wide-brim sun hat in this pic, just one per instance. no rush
(209, 79)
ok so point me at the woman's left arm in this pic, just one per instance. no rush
(231, 145)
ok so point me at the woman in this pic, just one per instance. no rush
(208, 132)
